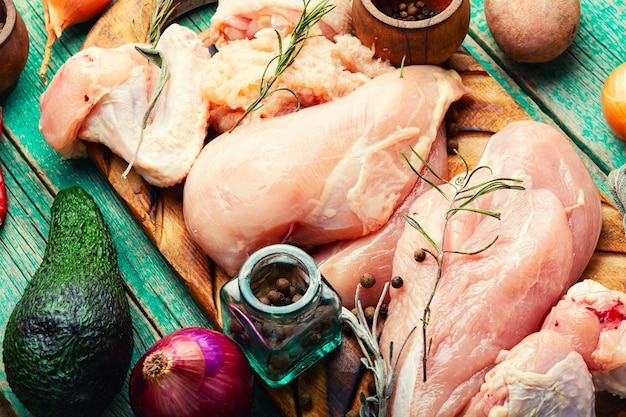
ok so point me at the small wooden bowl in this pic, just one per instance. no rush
(428, 41)
(14, 45)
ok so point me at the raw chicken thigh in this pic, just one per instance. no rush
(592, 318)
(244, 19)
(542, 376)
(489, 302)
(328, 172)
(344, 262)
(323, 71)
(101, 95)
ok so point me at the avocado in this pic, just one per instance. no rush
(69, 340)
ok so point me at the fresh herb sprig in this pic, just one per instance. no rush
(161, 11)
(464, 193)
(287, 56)
(383, 369)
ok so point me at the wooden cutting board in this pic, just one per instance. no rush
(335, 382)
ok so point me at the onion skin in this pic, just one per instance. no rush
(192, 372)
(614, 101)
(61, 14)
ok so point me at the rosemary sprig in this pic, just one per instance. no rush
(157, 58)
(161, 10)
(286, 57)
(382, 368)
(464, 193)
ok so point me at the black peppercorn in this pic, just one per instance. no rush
(282, 285)
(276, 297)
(397, 282)
(419, 255)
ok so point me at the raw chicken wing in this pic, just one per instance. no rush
(107, 92)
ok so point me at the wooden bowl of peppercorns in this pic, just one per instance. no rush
(411, 32)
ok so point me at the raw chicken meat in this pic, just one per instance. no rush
(592, 318)
(542, 376)
(77, 87)
(489, 302)
(107, 92)
(329, 172)
(323, 71)
(244, 19)
(343, 263)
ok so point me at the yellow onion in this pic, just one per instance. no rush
(614, 101)
(61, 14)
(192, 372)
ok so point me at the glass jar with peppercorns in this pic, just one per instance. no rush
(282, 312)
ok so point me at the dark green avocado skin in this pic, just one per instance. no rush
(69, 339)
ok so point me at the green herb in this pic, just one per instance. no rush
(286, 57)
(157, 58)
(161, 10)
(382, 368)
(463, 195)
(616, 181)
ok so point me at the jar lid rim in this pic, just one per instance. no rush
(304, 259)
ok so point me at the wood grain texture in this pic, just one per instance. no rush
(567, 90)
(34, 173)
(335, 382)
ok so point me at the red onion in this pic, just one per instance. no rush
(192, 372)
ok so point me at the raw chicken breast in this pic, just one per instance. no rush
(343, 263)
(323, 71)
(328, 172)
(542, 376)
(489, 302)
(244, 19)
(592, 318)
(108, 91)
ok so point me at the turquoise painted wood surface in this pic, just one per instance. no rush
(565, 92)
(34, 173)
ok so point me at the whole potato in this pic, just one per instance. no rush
(533, 30)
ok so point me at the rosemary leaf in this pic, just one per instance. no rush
(158, 59)
(462, 195)
(287, 56)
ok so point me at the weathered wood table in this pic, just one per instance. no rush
(565, 92)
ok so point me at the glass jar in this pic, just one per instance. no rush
(282, 312)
